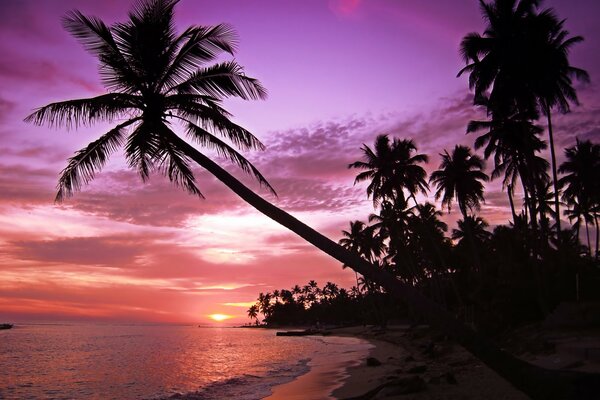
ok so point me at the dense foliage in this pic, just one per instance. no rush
(491, 277)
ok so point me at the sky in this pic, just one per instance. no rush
(338, 72)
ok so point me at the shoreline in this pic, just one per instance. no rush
(328, 370)
(402, 366)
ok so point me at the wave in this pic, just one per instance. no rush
(247, 386)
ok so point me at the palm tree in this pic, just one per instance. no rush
(391, 168)
(514, 143)
(522, 60)
(581, 183)
(362, 239)
(157, 78)
(474, 226)
(460, 178)
(253, 313)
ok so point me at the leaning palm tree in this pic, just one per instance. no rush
(157, 78)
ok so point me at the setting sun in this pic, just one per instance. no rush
(219, 317)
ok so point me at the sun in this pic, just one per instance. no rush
(219, 317)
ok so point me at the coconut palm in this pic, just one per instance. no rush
(157, 81)
(514, 143)
(391, 168)
(253, 313)
(474, 226)
(362, 239)
(460, 178)
(522, 60)
(582, 183)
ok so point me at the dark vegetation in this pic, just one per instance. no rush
(493, 279)
(160, 81)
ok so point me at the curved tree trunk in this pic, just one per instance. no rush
(536, 382)
(554, 173)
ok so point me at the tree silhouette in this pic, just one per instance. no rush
(522, 60)
(582, 184)
(253, 313)
(459, 178)
(158, 80)
(391, 168)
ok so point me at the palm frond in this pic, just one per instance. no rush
(204, 138)
(175, 165)
(223, 80)
(84, 165)
(97, 38)
(143, 148)
(73, 113)
(211, 118)
(194, 47)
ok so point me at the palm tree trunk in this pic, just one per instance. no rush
(554, 173)
(587, 233)
(538, 383)
(509, 190)
(597, 234)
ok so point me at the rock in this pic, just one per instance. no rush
(373, 362)
(417, 369)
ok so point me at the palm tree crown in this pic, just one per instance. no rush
(460, 177)
(155, 78)
(391, 168)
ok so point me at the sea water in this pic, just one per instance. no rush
(91, 361)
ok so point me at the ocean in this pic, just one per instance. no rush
(102, 361)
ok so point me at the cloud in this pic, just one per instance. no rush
(95, 251)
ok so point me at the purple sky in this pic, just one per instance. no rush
(338, 74)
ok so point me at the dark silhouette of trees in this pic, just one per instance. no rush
(390, 169)
(581, 184)
(460, 178)
(521, 65)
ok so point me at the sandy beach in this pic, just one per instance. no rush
(411, 363)
(447, 371)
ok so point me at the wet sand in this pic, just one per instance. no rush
(328, 371)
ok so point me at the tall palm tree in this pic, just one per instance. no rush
(391, 168)
(522, 61)
(460, 178)
(157, 78)
(582, 183)
(514, 143)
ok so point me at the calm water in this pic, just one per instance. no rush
(152, 362)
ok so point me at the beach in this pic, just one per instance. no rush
(413, 363)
